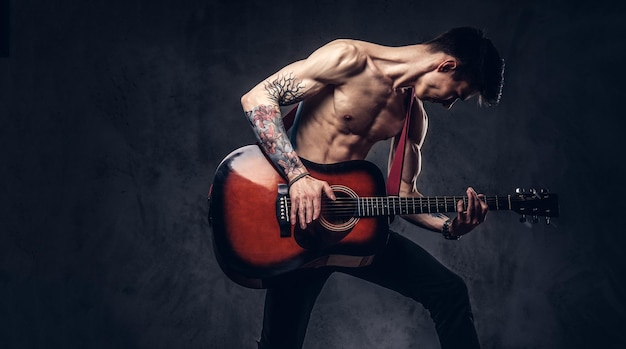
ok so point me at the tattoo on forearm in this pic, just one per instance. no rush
(286, 89)
(439, 215)
(268, 123)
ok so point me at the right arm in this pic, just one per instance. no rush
(329, 65)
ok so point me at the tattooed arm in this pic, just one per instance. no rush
(266, 120)
(329, 65)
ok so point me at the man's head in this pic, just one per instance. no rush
(478, 63)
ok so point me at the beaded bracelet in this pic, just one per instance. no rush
(445, 231)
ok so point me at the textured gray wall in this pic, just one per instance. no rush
(114, 115)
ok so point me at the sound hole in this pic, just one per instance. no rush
(335, 222)
(339, 215)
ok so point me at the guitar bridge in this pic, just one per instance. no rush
(282, 210)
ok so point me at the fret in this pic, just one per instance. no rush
(387, 206)
(365, 207)
(374, 207)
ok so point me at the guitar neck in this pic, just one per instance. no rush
(393, 205)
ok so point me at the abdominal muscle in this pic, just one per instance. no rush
(330, 132)
(325, 145)
(330, 139)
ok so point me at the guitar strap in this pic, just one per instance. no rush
(395, 171)
(290, 118)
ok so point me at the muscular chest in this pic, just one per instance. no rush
(373, 111)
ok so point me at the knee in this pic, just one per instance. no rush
(450, 293)
(456, 287)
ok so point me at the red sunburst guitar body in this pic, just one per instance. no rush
(253, 239)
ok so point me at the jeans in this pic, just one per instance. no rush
(404, 267)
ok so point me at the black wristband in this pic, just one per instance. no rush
(445, 231)
(298, 177)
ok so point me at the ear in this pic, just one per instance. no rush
(447, 66)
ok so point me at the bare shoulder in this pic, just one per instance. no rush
(341, 57)
(340, 49)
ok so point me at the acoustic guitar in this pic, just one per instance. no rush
(255, 242)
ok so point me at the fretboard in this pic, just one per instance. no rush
(393, 205)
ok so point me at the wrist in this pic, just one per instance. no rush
(298, 177)
(446, 233)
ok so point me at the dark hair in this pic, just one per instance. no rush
(479, 61)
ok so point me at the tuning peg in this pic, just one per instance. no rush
(548, 220)
(522, 219)
(520, 190)
(534, 191)
(544, 191)
(535, 219)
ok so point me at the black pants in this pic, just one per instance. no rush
(404, 267)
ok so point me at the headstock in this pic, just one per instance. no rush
(535, 204)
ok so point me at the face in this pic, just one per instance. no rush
(439, 87)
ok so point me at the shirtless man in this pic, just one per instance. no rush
(355, 94)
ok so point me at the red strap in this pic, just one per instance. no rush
(395, 172)
(290, 117)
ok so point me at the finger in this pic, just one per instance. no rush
(317, 207)
(483, 201)
(329, 192)
(459, 210)
(310, 211)
(480, 208)
(470, 203)
(294, 210)
(302, 214)
(484, 207)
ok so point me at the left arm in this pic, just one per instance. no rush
(467, 218)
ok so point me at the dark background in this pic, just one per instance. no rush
(114, 115)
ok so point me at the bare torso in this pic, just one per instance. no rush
(343, 122)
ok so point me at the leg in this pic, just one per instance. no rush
(410, 270)
(288, 306)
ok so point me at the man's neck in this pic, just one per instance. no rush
(406, 64)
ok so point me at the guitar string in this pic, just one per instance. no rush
(350, 205)
(411, 201)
